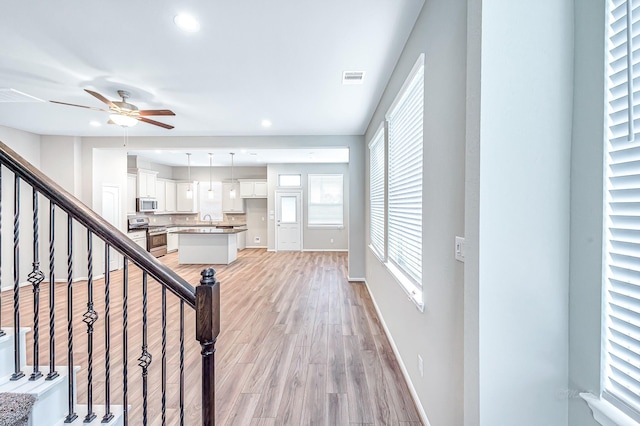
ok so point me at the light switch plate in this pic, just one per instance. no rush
(459, 249)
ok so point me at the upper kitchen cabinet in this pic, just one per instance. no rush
(184, 202)
(232, 205)
(170, 196)
(147, 183)
(253, 189)
(161, 196)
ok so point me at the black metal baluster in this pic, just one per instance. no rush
(181, 362)
(145, 358)
(164, 356)
(71, 416)
(89, 318)
(52, 301)
(17, 373)
(107, 339)
(125, 352)
(35, 278)
(2, 333)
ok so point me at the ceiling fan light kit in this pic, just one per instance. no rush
(123, 113)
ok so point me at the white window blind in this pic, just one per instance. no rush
(404, 215)
(376, 193)
(622, 270)
(325, 200)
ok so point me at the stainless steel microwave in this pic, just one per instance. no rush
(146, 205)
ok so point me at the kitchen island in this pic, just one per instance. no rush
(207, 246)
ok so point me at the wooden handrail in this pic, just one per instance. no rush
(97, 225)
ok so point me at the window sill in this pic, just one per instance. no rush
(325, 226)
(413, 293)
(376, 253)
(605, 413)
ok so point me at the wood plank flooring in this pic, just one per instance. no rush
(300, 345)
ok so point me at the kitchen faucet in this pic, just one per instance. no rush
(205, 218)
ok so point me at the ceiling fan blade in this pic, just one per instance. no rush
(100, 97)
(148, 112)
(79, 106)
(155, 123)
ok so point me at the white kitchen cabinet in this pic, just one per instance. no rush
(170, 196)
(139, 237)
(183, 203)
(253, 189)
(172, 240)
(241, 239)
(132, 182)
(147, 183)
(230, 205)
(161, 195)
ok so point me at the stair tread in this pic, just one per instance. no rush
(81, 411)
(8, 336)
(34, 387)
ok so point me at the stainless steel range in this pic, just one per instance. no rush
(156, 235)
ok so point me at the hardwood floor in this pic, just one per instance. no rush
(299, 345)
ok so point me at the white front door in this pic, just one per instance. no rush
(288, 221)
(111, 213)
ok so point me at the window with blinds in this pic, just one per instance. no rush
(325, 207)
(404, 211)
(376, 193)
(621, 375)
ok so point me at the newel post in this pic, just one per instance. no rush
(207, 330)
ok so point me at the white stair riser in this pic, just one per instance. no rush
(7, 353)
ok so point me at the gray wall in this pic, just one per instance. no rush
(313, 238)
(437, 333)
(587, 156)
(518, 231)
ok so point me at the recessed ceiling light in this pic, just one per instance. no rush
(266, 123)
(187, 23)
(95, 123)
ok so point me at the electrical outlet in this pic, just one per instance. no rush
(420, 366)
(459, 249)
(331, 241)
(256, 239)
(233, 218)
(187, 219)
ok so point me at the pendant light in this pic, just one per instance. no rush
(232, 192)
(189, 190)
(210, 192)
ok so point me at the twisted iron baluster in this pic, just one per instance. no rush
(181, 363)
(164, 356)
(107, 342)
(2, 333)
(17, 373)
(71, 416)
(89, 318)
(35, 278)
(145, 358)
(125, 354)
(52, 301)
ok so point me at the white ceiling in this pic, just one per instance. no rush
(280, 60)
(244, 157)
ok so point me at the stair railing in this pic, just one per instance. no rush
(204, 299)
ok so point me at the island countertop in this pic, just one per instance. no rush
(210, 230)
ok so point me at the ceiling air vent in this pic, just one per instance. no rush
(352, 77)
(12, 95)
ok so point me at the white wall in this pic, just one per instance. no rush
(436, 333)
(518, 280)
(587, 157)
(26, 145)
(313, 238)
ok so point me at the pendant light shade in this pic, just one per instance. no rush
(189, 189)
(232, 192)
(210, 192)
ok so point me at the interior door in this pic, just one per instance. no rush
(111, 213)
(288, 221)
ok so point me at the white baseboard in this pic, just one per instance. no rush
(256, 247)
(352, 280)
(326, 250)
(403, 368)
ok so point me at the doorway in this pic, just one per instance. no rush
(288, 221)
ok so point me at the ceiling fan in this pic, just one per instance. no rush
(123, 113)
